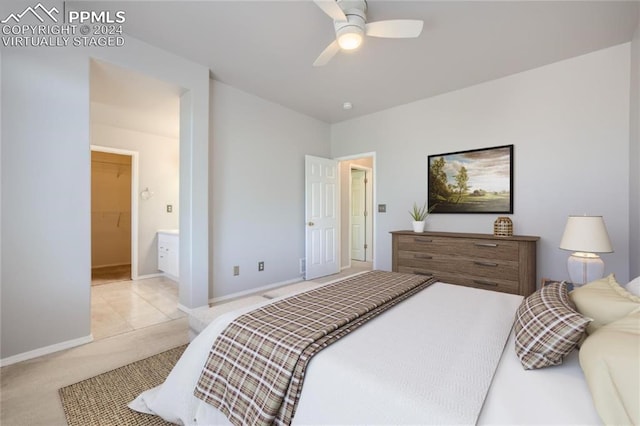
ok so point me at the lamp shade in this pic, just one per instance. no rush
(586, 234)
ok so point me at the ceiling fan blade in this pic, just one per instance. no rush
(326, 55)
(331, 8)
(395, 28)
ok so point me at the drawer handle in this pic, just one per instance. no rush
(422, 256)
(485, 245)
(486, 263)
(421, 240)
(485, 283)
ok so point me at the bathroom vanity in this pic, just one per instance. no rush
(168, 252)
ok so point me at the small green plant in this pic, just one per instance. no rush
(419, 214)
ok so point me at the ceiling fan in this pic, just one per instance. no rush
(350, 23)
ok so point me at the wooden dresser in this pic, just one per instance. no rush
(506, 264)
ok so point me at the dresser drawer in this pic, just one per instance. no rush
(477, 267)
(487, 283)
(477, 248)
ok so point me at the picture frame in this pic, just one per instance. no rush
(475, 181)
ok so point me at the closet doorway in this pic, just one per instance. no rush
(359, 214)
(357, 189)
(113, 176)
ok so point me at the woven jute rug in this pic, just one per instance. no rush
(102, 400)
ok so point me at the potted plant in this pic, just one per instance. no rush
(419, 215)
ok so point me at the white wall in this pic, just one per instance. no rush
(257, 188)
(46, 211)
(634, 157)
(569, 123)
(45, 282)
(159, 167)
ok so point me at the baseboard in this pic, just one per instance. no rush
(147, 276)
(255, 290)
(185, 309)
(46, 350)
(111, 265)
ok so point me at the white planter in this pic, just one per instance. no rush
(418, 226)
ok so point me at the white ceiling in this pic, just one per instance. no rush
(267, 47)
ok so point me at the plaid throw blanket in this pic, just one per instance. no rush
(256, 366)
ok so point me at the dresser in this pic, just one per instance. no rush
(506, 264)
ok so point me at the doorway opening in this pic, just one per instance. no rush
(114, 228)
(360, 220)
(337, 239)
(134, 119)
(357, 188)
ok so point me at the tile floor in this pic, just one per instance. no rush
(125, 306)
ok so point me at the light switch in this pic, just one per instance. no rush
(382, 208)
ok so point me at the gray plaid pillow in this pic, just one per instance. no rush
(547, 327)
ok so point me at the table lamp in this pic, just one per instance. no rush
(585, 236)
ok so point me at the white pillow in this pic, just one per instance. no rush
(633, 286)
(609, 359)
(604, 301)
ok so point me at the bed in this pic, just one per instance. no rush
(439, 357)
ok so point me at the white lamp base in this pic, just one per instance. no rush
(584, 268)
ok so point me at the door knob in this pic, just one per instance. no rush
(311, 223)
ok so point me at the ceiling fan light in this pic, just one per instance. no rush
(350, 40)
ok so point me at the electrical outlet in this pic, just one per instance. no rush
(260, 266)
(169, 208)
(236, 270)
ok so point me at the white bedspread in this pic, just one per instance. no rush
(556, 395)
(431, 359)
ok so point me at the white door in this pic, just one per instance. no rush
(358, 215)
(321, 211)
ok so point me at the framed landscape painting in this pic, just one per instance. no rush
(474, 181)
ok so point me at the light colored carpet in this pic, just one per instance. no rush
(103, 399)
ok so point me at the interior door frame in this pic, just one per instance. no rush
(368, 208)
(374, 198)
(134, 200)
